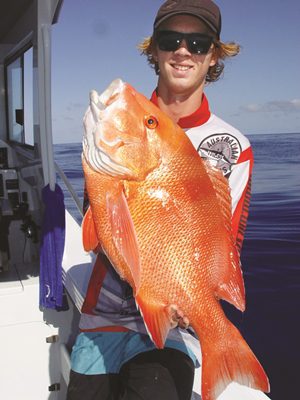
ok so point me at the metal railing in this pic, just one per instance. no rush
(70, 188)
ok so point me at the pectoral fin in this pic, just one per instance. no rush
(124, 235)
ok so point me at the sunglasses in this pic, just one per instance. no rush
(197, 43)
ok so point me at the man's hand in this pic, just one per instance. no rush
(177, 318)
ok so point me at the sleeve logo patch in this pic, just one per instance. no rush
(222, 150)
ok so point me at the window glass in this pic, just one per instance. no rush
(28, 97)
(15, 100)
(19, 81)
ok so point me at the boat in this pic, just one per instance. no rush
(35, 342)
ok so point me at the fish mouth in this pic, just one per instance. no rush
(95, 155)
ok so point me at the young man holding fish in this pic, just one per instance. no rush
(114, 357)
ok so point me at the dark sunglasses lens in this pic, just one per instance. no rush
(196, 43)
(199, 44)
(169, 41)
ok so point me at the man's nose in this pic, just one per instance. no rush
(183, 48)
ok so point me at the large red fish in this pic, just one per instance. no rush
(163, 218)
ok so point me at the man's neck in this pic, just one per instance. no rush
(178, 105)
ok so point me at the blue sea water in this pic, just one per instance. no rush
(270, 256)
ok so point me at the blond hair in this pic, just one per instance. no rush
(221, 52)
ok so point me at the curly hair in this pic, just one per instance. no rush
(221, 52)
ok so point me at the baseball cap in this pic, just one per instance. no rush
(206, 10)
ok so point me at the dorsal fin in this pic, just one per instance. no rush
(231, 288)
(222, 189)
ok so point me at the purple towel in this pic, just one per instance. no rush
(52, 248)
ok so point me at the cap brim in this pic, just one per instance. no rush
(158, 23)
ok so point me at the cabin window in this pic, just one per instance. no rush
(19, 97)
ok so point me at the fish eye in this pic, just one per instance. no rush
(151, 122)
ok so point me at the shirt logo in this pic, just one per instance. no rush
(222, 150)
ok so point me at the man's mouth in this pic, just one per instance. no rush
(181, 67)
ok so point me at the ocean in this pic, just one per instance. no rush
(270, 255)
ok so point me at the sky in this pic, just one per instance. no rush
(95, 42)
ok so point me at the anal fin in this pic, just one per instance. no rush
(156, 319)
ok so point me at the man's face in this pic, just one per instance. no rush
(182, 72)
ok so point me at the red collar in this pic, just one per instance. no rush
(199, 117)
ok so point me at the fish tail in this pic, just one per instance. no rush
(229, 359)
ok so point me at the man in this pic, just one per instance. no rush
(113, 357)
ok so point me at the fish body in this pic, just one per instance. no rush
(163, 218)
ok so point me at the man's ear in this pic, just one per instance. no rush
(214, 58)
(154, 53)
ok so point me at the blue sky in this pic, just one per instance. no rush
(96, 41)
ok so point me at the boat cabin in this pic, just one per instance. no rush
(35, 343)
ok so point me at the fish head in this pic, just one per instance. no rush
(122, 133)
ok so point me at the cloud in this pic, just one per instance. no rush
(67, 118)
(284, 106)
(73, 106)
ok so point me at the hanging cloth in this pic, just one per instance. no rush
(52, 248)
